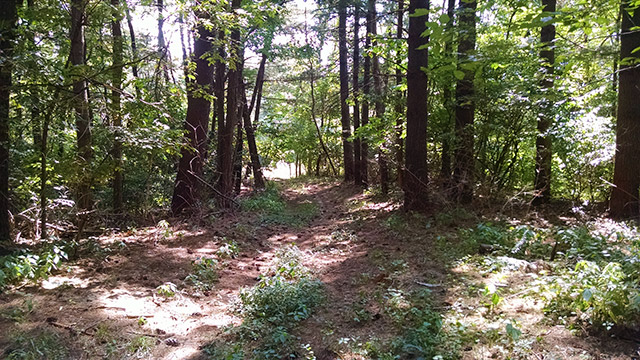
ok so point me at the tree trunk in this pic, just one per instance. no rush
(237, 157)
(116, 113)
(463, 172)
(626, 176)
(134, 46)
(186, 190)
(258, 179)
(377, 93)
(399, 106)
(415, 178)
(542, 183)
(220, 74)
(445, 159)
(81, 105)
(347, 146)
(225, 133)
(8, 19)
(357, 143)
(364, 116)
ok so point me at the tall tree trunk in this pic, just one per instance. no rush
(258, 179)
(81, 106)
(542, 183)
(463, 172)
(347, 146)
(237, 157)
(187, 185)
(225, 133)
(364, 116)
(357, 143)
(8, 19)
(626, 176)
(399, 106)
(377, 93)
(116, 112)
(449, 103)
(219, 86)
(415, 178)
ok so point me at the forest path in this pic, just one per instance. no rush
(129, 294)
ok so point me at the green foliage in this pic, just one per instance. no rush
(266, 201)
(167, 290)
(270, 310)
(228, 250)
(603, 296)
(274, 209)
(30, 266)
(204, 273)
(141, 345)
(19, 314)
(45, 345)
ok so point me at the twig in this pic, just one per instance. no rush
(428, 285)
(213, 188)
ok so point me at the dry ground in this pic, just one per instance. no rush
(100, 306)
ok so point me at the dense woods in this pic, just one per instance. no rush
(116, 114)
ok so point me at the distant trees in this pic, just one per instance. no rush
(626, 179)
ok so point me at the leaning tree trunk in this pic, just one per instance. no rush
(8, 19)
(626, 176)
(357, 143)
(258, 178)
(542, 183)
(116, 112)
(186, 191)
(415, 178)
(81, 106)
(463, 172)
(347, 145)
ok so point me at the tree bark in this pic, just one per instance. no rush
(8, 20)
(364, 116)
(237, 157)
(399, 106)
(542, 184)
(134, 46)
(463, 172)
(225, 133)
(116, 113)
(415, 178)
(357, 143)
(377, 94)
(347, 145)
(449, 103)
(84, 199)
(258, 179)
(626, 176)
(186, 191)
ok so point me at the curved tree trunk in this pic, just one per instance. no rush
(415, 177)
(463, 172)
(626, 176)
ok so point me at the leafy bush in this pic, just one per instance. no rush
(268, 201)
(204, 273)
(30, 266)
(600, 295)
(228, 250)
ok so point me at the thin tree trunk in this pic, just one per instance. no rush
(542, 183)
(186, 191)
(449, 103)
(399, 106)
(134, 46)
(81, 105)
(347, 145)
(377, 93)
(357, 143)
(626, 176)
(463, 172)
(415, 179)
(258, 179)
(220, 73)
(237, 157)
(116, 114)
(366, 90)
(8, 19)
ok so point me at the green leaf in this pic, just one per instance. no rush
(458, 74)
(444, 18)
(513, 332)
(587, 294)
(420, 12)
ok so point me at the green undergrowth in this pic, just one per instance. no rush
(586, 275)
(30, 265)
(45, 345)
(273, 209)
(285, 295)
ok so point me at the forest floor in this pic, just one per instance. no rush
(138, 293)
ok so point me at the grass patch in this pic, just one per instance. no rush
(274, 209)
(45, 345)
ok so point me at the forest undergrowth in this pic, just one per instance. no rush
(312, 269)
